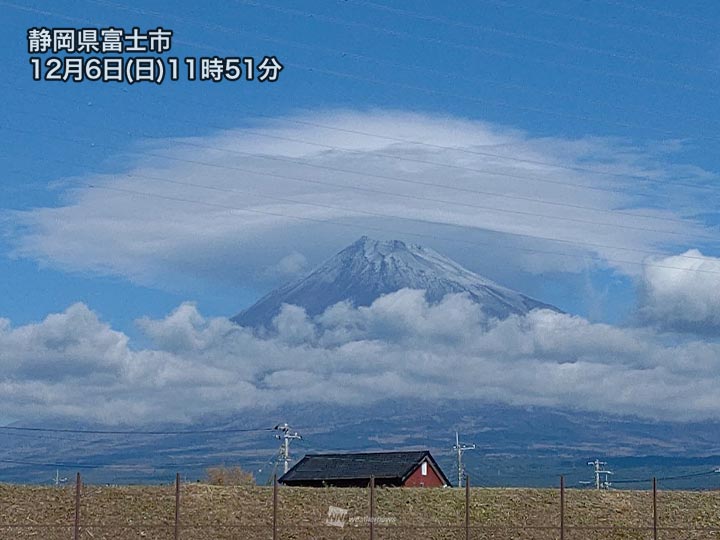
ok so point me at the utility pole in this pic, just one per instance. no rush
(285, 436)
(459, 450)
(602, 480)
(59, 480)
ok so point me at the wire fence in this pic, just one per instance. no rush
(201, 511)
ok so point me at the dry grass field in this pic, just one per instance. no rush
(219, 512)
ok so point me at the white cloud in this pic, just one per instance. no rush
(152, 240)
(74, 365)
(293, 326)
(683, 293)
(289, 266)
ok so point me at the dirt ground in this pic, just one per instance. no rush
(219, 513)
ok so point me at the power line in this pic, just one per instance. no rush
(420, 235)
(136, 466)
(390, 32)
(389, 216)
(465, 46)
(80, 465)
(38, 435)
(521, 36)
(421, 198)
(389, 193)
(488, 154)
(376, 81)
(133, 432)
(635, 6)
(377, 214)
(392, 216)
(518, 35)
(491, 209)
(692, 475)
(501, 104)
(274, 460)
(377, 61)
(371, 190)
(667, 478)
(510, 159)
(597, 22)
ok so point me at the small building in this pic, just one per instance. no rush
(392, 469)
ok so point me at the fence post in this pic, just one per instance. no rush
(372, 508)
(467, 507)
(562, 507)
(177, 506)
(78, 483)
(655, 520)
(275, 507)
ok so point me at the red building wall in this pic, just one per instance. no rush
(416, 479)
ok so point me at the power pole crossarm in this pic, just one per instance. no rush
(459, 450)
(602, 476)
(285, 435)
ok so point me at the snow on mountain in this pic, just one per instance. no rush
(369, 268)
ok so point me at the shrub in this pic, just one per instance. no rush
(229, 476)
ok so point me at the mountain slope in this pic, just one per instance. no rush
(517, 446)
(369, 268)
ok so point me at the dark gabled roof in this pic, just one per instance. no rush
(339, 467)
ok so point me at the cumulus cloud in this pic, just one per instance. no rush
(683, 292)
(220, 207)
(74, 365)
(289, 266)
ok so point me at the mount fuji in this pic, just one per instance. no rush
(518, 445)
(368, 269)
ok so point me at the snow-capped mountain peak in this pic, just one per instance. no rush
(368, 269)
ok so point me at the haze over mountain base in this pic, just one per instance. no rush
(516, 446)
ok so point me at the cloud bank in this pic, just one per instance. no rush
(269, 195)
(682, 293)
(74, 365)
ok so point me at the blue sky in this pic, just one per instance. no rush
(616, 98)
(562, 69)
